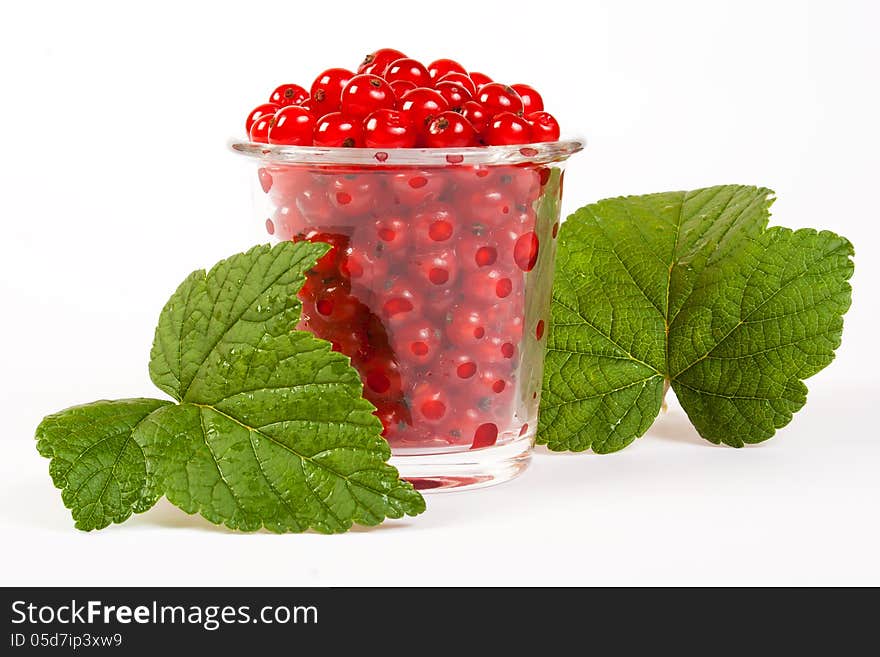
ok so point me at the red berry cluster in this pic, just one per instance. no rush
(423, 287)
(397, 102)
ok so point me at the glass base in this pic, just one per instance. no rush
(465, 470)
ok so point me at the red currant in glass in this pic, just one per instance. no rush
(364, 94)
(335, 130)
(497, 98)
(461, 79)
(479, 78)
(287, 221)
(353, 195)
(532, 101)
(487, 204)
(382, 381)
(440, 67)
(465, 325)
(456, 366)
(259, 131)
(544, 127)
(408, 69)
(260, 111)
(289, 94)
(477, 115)
(327, 90)
(506, 129)
(489, 285)
(392, 235)
(454, 94)
(376, 62)
(388, 128)
(436, 270)
(433, 226)
(430, 403)
(417, 342)
(525, 251)
(400, 303)
(421, 105)
(292, 126)
(415, 187)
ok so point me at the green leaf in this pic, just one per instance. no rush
(688, 290)
(99, 468)
(273, 430)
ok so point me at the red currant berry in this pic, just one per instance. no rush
(487, 205)
(507, 129)
(465, 326)
(315, 206)
(292, 126)
(334, 130)
(532, 101)
(414, 187)
(366, 270)
(506, 319)
(364, 94)
(399, 304)
(440, 67)
(417, 342)
(479, 79)
(497, 98)
(477, 115)
(336, 306)
(522, 183)
(392, 235)
(544, 127)
(454, 94)
(421, 105)
(525, 251)
(376, 62)
(450, 130)
(388, 128)
(455, 366)
(287, 222)
(434, 226)
(436, 270)
(353, 195)
(327, 90)
(260, 129)
(461, 79)
(382, 381)
(400, 87)
(288, 94)
(328, 264)
(488, 285)
(408, 69)
(429, 403)
(266, 109)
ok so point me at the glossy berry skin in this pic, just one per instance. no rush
(455, 95)
(388, 128)
(376, 62)
(461, 79)
(544, 127)
(400, 87)
(408, 69)
(421, 105)
(259, 132)
(335, 130)
(326, 90)
(477, 115)
(258, 112)
(507, 129)
(364, 94)
(292, 126)
(450, 130)
(497, 98)
(440, 67)
(479, 78)
(532, 101)
(288, 94)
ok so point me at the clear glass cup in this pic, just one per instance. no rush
(437, 287)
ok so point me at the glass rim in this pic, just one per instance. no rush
(540, 153)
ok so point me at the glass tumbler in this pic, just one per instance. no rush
(437, 287)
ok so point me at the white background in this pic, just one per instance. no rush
(116, 183)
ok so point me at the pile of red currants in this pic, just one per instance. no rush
(394, 101)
